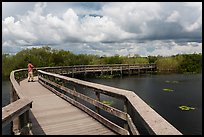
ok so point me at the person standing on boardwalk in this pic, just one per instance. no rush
(30, 71)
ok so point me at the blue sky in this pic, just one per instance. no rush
(104, 28)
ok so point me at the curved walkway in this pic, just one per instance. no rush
(52, 115)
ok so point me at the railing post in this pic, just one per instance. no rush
(125, 110)
(24, 123)
(62, 70)
(74, 97)
(11, 100)
(121, 70)
(85, 71)
(129, 70)
(15, 124)
(72, 71)
(102, 70)
(98, 99)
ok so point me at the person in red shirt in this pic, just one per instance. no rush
(30, 72)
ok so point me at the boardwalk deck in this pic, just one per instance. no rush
(52, 115)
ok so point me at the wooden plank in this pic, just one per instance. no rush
(61, 119)
(71, 126)
(90, 130)
(94, 102)
(101, 119)
(45, 120)
(81, 129)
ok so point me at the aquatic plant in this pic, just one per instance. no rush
(167, 81)
(107, 102)
(175, 82)
(168, 89)
(105, 76)
(186, 108)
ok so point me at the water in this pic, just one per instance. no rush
(6, 88)
(187, 91)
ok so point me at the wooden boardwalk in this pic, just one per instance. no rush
(52, 115)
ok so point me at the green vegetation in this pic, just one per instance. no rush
(105, 76)
(184, 63)
(173, 82)
(167, 81)
(109, 103)
(186, 108)
(47, 57)
(168, 89)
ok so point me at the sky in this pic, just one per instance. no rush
(104, 28)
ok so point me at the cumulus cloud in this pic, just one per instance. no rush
(110, 28)
(132, 17)
(157, 21)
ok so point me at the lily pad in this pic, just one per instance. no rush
(167, 89)
(175, 82)
(107, 102)
(167, 81)
(186, 108)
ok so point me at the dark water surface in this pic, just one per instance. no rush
(6, 88)
(187, 90)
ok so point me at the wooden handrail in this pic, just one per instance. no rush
(14, 110)
(98, 104)
(155, 124)
(19, 106)
(100, 118)
(94, 67)
(15, 84)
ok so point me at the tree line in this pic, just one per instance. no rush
(47, 57)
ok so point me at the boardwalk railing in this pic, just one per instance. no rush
(136, 111)
(17, 112)
(99, 68)
(44, 80)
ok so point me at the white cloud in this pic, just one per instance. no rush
(38, 9)
(172, 48)
(15, 30)
(118, 30)
(132, 16)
